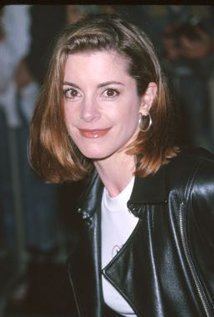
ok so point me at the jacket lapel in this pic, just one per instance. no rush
(151, 190)
(84, 262)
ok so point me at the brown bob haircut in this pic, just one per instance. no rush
(52, 153)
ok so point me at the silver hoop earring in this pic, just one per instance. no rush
(145, 122)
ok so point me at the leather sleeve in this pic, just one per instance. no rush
(203, 199)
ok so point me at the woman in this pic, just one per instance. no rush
(145, 243)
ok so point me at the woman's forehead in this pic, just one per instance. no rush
(96, 63)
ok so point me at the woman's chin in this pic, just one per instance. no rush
(96, 155)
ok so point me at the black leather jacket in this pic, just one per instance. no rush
(166, 268)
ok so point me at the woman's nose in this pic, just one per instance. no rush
(89, 110)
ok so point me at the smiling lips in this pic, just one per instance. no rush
(93, 134)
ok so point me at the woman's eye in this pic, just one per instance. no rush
(71, 93)
(110, 92)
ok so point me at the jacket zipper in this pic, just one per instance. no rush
(75, 295)
(191, 264)
(97, 252)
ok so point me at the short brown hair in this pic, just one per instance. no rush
(52, 152)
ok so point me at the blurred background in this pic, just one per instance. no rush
(37, 222)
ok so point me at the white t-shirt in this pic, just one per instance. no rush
(117, 225)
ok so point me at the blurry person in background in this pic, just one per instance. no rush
(146, 234)
(39, 200)
(14, 23)
(189, 62)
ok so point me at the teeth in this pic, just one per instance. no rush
(94, 134)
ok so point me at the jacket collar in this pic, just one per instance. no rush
(149, 190)
(90, 198)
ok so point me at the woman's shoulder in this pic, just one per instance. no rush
(191, 158)
(197, 187)
(194, 154)
(192, 170)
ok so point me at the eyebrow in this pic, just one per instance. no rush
(106, 83)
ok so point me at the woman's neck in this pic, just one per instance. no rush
(116, 172)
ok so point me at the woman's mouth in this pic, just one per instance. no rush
(94, 133)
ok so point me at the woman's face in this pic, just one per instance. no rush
(101, 103)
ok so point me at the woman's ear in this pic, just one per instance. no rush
(148, 98)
